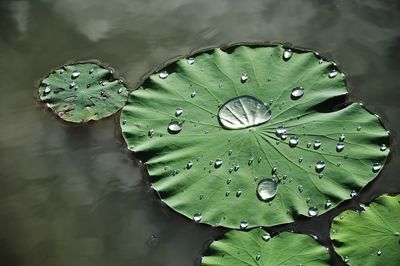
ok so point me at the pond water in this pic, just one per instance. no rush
(73, 195)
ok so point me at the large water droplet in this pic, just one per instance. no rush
(178, 111)
(244, 78)
(197, 217)
(174, 127)
(293, 141)
(244, 224)
(317, 144)
(319, 166)
(190, 60)
(266, 236)
(287, 54)
(75, 74)
(376, 167)
(163, 74)
(339, 146)
(267, 189)
(218, 163)
(313, 211)
(281, 132)
(243, 112)
(297, 93)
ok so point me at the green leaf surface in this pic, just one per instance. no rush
(250, 248)
(92, 94)
(209, 166)
(370, 237)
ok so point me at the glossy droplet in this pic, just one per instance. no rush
(91, 70)
(317, 144)
(267, 189)
(244, 78)
(274, 169)
(258, 256)
(72, 85)
(163, 74)
(342, 137)
(190, 60)
(189, 165)
(353, 193)
(178, 111)
(150, 133)
(120, 90)
(293, 141)
(287, 54)
(280, 131)
(339, 147)
(379, 253)
(332, 73)
(174, 127)
(193, 94)
(236, 168)
(301, 159)
(328, 204)
(218, 163)
(383, 147)
(197, 217)
(243, 112)
(244, 224)
(346, 259)
(319, 166)
(313, 211)
(376, 167)
(47, 90)
(359, 128)
(266, 236)
(238, 193)
(229, 180)
(250, 161)
(297, 93)
(75, 74)
(300, 188)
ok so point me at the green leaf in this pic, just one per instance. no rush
(255, 248)
(370, 237)
(82, 92)
(205, 160)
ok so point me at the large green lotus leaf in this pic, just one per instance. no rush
(257, 248)
(370, 237)
(82, 92)
(207, 129)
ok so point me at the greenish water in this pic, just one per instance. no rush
(73, 195)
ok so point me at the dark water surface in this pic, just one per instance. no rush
(72, 195)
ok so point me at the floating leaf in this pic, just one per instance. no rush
(82, 92)
(370, 237)
(260, 133)
(256, 247)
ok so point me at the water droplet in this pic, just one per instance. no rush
(301, 189)
(308, 144)
(266, 236)
(297, 93)
(91, 70)
(190, 60)
(313, 211)
(150, 133)
(346, 259)
(259, 159)
(197, 217)
(339, 146)
(72, 85)
(267, 189)
(178, 111)
(244, 224)
(189, 165)
(328, 204)
(255, 178)
(174, 127)
(229, 180)
(317, 144)
(250, 161)
(287, 54)
(124, 122)
(353, 193)
(243, 112)
(293, 141)
(120, 90)
(61, 71)
(201, 196)
(218, 163)
(244, 78)
(379, 253)
(75, 74)
(342, 137)
(280, 131)
(274, 169)
(227, 193)
(236, 168)
(308, 199)
(376, 167)
(258, 256)
(193, 94)
(47, 90)
(383, 147)
(301, 159)
(359, 128)
(332, 73)
(103, 83)
(163, 74)
(238, 193)
(319, 166)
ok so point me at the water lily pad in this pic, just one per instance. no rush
(82, 92)
(252, 134)
(256, 247)
(370, 237)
